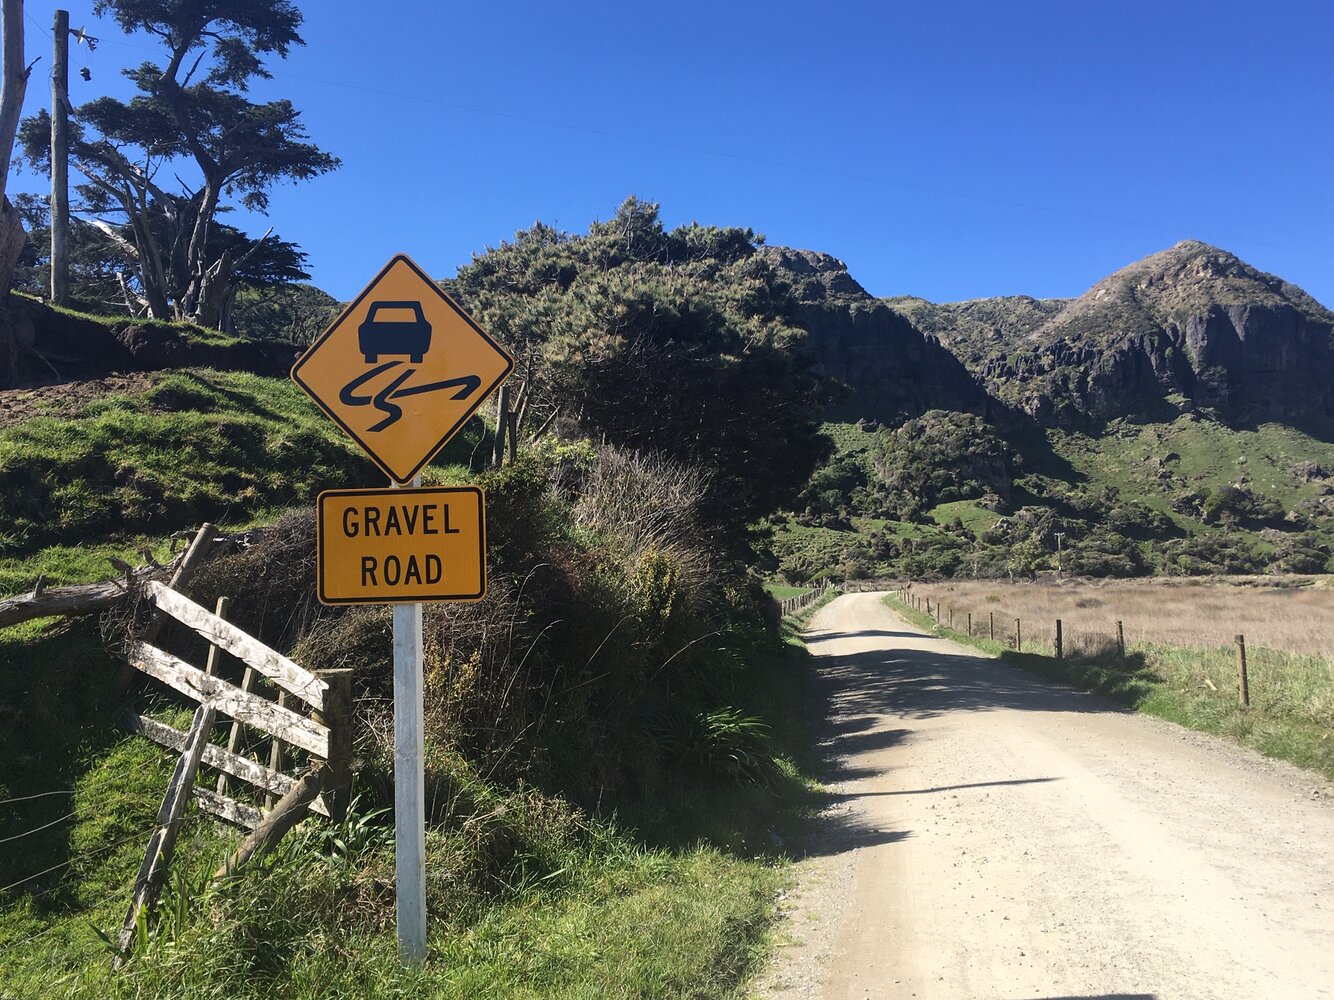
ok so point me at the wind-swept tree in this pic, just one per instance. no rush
(194, 110)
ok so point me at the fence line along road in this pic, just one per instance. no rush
(796, 605)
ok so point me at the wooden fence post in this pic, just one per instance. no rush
(290, 810)
(234, 736)
(193, 558)
(1058, 639)
(970, 623)
(1121, 639)
(992, 617)
(148, 883)
(214, 653)
(1018, 637)
(951, 618)
(1243, 684)
(277, 757)
(337, 715)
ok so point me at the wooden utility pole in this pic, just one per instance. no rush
(60, 161)
(12, 236)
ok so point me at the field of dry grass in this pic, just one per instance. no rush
(1179, 660)
(1195, 613)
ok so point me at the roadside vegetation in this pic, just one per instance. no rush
(948, 495)
(1194, 684)
(615, 743)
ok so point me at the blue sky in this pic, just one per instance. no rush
(949, 150)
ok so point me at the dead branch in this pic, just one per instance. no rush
(82, 599)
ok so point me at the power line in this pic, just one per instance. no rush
(37, 24)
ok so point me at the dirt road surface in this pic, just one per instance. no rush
(992, 836)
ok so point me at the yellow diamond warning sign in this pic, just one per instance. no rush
(402, 369)
(401, 546)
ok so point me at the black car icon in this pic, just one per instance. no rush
(394, 328)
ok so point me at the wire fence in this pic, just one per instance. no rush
(1280, 682)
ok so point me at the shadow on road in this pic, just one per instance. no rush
(922, 684)
(867, 701)
(943, 788)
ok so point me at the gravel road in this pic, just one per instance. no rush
(991, 836)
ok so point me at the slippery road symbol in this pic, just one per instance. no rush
(383, 400)
(402, 369)
(397, 328)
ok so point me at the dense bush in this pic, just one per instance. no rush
(678, 342)
(938, 458)
(616, 660)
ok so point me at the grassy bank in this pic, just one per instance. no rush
(529, 896)
(1291, 715)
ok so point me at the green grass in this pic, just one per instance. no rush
(1211, 456)
(188, 331)
(198, 445)
(781, 593)
(618, 921)
(528, 898)
(1291, 715)
(66, 564)
(974, 517)
(849, 439)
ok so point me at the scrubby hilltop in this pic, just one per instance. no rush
(1177, 417)
(1191, 327)
(893, 371)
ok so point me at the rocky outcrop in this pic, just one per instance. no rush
(894, 372)
(1187, 328)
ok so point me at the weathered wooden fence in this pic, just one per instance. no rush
(324, 735)
(796, 605)
(320, 736)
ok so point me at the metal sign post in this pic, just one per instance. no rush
(402, 370)
(409, 781)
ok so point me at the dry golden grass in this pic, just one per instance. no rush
(1194, 613)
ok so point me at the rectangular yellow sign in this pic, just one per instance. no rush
(401, 546)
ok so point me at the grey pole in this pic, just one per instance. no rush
(60, 161)
(409, 782)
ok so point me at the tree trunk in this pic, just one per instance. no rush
(14, 84)
(12, 238)
(213, 291)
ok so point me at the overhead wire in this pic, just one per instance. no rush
(53, 926)
(39, 795)
(82, 855)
